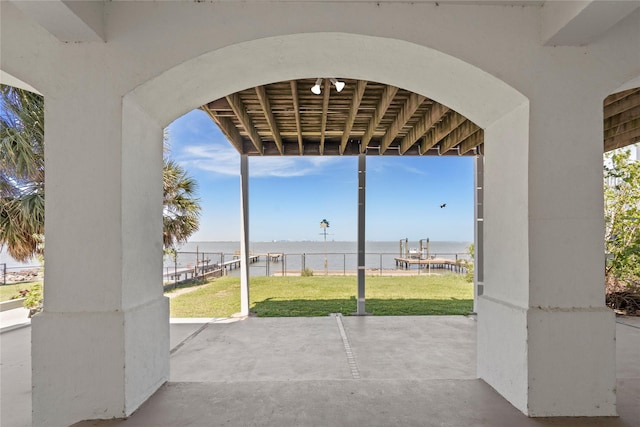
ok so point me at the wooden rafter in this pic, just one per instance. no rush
(245, 120)
(622, 139)
(384, 102)
(625, 103)
(622, 118)
(440, 130)
(459, 134)
(296, 110)
(618, 96)
(623, 128)
(227, 127)
(325, 112)
(472, 142)
(268, 113)
(435, 114)
(353, 111)
(410, 106)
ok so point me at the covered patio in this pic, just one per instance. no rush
(378, 371)
(531, 76)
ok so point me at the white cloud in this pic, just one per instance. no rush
(393, 165)
(216, 158)
(223, 159)
(286, 167)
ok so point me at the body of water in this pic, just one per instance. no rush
(340, 256)
(296, 255)
(12, 264)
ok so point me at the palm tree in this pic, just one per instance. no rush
(181, 211)
(21, 172)
(22, 180)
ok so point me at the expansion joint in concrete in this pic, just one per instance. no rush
(189, 338)
(353, 365)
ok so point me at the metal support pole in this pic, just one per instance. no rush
(244, 235)
(197, 262)
(478, 261)
(362, 187)
(428, 258)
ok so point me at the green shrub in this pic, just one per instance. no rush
(33, 299)
(469, 263)
(307, 272)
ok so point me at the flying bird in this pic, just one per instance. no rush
(444, 205)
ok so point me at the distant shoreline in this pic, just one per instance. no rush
(226, 245)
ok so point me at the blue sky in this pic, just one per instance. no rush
(289, 196)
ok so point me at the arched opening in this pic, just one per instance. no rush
(286, 121)
(500, 110)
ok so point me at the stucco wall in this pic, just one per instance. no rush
(106, 104)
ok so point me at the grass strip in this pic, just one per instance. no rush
(320, 295)
(8, 292)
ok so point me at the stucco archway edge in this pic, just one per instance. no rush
(461, 86)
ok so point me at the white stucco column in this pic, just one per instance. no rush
(244, 235)
(571, 333)
(546, 341)
(502, 307)
(101, 346)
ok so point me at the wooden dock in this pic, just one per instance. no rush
(205, 270)
(235, 262)
(435, 263)
(273, 257)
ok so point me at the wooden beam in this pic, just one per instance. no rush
(623, 128)
(628, 102)
(408, 109)
(459, 134)
(440, 130)
(361, 85)
(473, 141)
(435, 114)
(618, 96)
(388, 94)
(296, 110)
(268, 114)
(622, 118)
(622, 140)
(243, 117)
(227, 127)
(325, 112)
(219, 104)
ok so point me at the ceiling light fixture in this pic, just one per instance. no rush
(317, 89)
(339, 85)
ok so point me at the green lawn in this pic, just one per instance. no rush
(7, 292)
(321, 295)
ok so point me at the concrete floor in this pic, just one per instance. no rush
(339, 371)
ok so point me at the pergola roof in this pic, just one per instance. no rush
(286, 118)
(622, 119)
